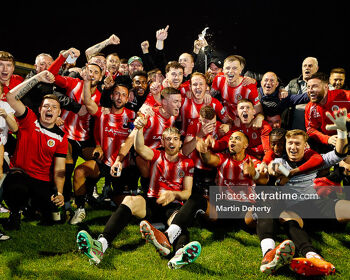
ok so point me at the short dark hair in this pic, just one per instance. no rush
(114, 54)
(338, 70)
(279, 132)
(207, 112)
(98, 54)
(95, 64)
(168, 91)
(320, 76)
(173, 64)
(139, 73)
(50, 96)
(123, 61)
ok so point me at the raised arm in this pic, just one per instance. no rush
(139, 144)
(91, 106)
(112, 40)
(339, 123)
(14, 96)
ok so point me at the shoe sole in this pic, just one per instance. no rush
(148, 234)
(190, 253)
(284, 255)
(84, 245)
(307, 268)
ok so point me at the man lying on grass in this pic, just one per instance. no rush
(170, 184)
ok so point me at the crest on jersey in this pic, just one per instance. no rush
(335, 108)
(181, 173)
(51, 143)
(239, 97)
(254, 135)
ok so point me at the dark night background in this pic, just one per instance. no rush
(271, 35)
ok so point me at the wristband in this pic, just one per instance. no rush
(342, 134)
(256, 176)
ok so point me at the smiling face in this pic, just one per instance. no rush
(316, 89)
(49, 112)
(277, 144)
(175, 77)
(269, 83)
(139, 84)
(237, 143)
(245, 112)
(295, 147)
(337, 80)
(42, 63)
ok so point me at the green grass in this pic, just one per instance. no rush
(41, 252)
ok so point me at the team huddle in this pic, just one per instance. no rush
(168, 141)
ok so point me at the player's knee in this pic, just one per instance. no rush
(133, 202)
(286, 216)
(79, 172)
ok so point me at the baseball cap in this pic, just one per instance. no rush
(134, 58)
(216, 61)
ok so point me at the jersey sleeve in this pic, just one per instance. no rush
(313, 161)
(62, 148)
(190, 167)
(265, 139)
(269, 156)
(254, 95)
(312, 125)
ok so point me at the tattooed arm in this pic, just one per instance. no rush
(112, 40)
(15, 94)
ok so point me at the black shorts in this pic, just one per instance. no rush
(323, 208)
(157, 213)
(127, 181)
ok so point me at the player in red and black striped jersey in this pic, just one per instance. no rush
(76, 126)
(38, 165)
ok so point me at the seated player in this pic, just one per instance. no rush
(302, 186)
(111, 131)
(206, 126)
(170, 184)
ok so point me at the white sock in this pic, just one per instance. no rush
(104, 243)
(267, 244)
(311, 254)
(173, 232)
